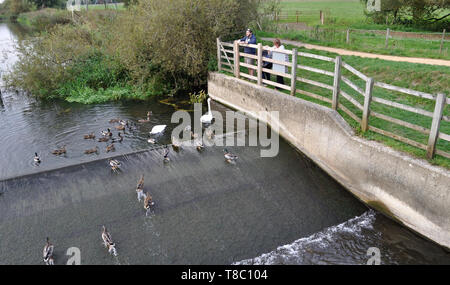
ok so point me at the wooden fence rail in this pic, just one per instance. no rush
(229, 59)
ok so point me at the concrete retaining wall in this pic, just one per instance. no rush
(410, 190)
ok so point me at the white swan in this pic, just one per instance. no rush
(157, 129)
(207, 118)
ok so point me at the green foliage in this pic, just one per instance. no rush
(198, 97)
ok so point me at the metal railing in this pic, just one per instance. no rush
(229, 59)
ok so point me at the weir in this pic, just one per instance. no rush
(207, 211)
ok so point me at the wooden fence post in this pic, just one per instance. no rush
(294, 71)
(336, 82)
(321, 17)
(348, 36)
(219, 65)
(260, 50)
(437, 117)
(442, 41)
(367, 100)
(387, 39)
(296, 13)
(236, 59)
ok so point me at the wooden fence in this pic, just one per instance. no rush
(229, 59)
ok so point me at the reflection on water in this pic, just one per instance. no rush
(206, 212)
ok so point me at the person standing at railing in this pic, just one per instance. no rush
(279, 56)
(249, 39)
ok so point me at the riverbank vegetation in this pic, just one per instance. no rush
(151, 48)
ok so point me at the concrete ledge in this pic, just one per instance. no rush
(410, 190)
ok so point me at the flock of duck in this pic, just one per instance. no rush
(115, 165)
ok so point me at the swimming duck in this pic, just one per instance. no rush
(209, 133)
(120, 127)
(36, 158)
(103, 139)
(89, 136)
(175, 144)
(112, 121)
(148, 203)
(146, 120)
(107, 133)
(200, 145)
(110, 147)
(47, 253)
(59, 151)
(166, 155)
(140, 189)
(229, 157)
(140, 184)
(120, 139)
(108, 242)
(92, 150)
(114, 163)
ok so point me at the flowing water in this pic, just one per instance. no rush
(280, 210)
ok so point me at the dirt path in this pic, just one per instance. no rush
(340, 51)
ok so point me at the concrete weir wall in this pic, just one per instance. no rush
(408, 189)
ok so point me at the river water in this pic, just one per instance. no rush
(280, 210)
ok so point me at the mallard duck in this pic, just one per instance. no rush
(157, 129)
(148, 203)
(114, 163)
(110, 147)
(166, 155)
(120, 127)
(140, 189)
(108, 242)
(112, 121)
(89, 136)
(119, 139)
(199, 145)
(140, 184)
(47, 253)
(36, 158)
(92, 150)
(107, 133)
(229, 157)
(59, 151)
(146, 120)
(103, 139)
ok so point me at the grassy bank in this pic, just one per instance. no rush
(426, 78)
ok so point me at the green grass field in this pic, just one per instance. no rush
(426, 78)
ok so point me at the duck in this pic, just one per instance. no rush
(47, 253)
(36, 158)
(229, 157)
(112, 121)
(120, 139)
(107, 133)
(110, 147)
(207, 118)
(192, 134)
(209, 133)
(89, 136)
(59, 151)
(151, 140)
(176, 145)
(108, 242)
(120, 127)
(157, 129)
(92, 150)
(166, 155)
(114, 163)
(103, 139)
(146, 120)
(140, 188)
(148, 203)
